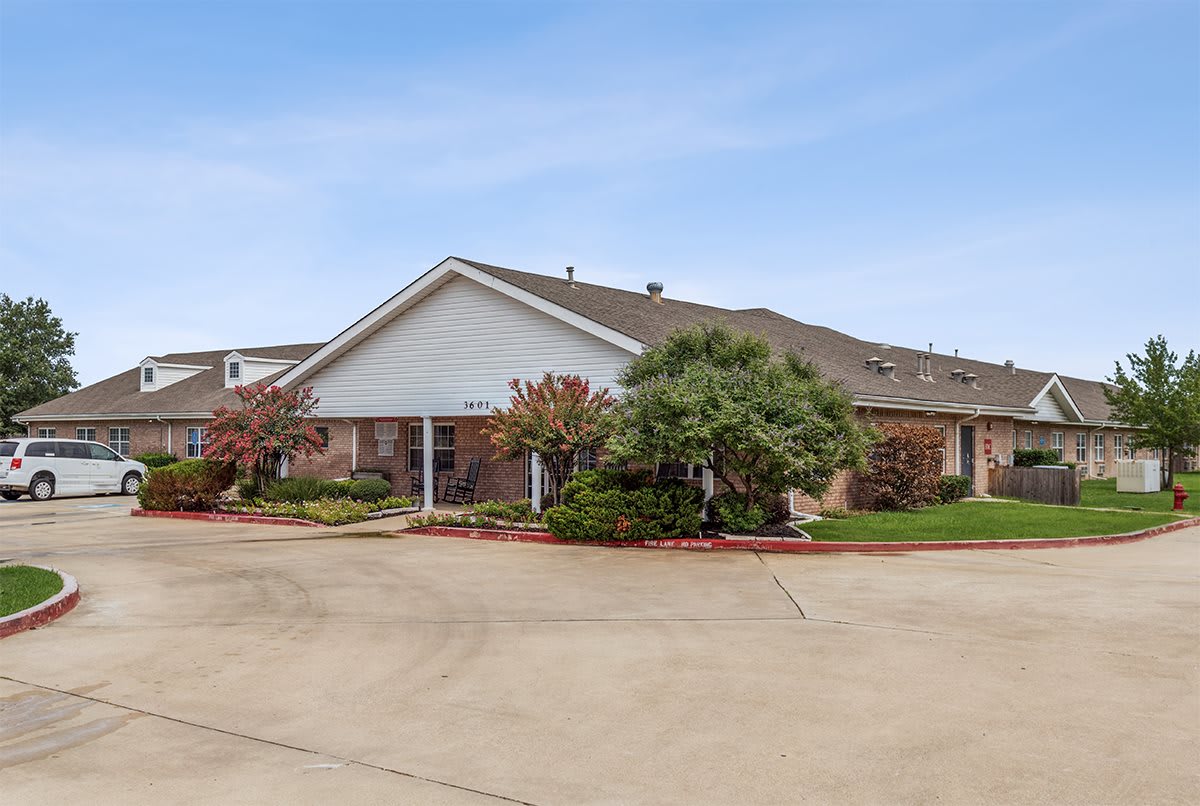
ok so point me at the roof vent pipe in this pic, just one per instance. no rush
(1012, 367)
(873, 363)
(655, 290)
(888, 370)
(972, 379)
(571, 276)
(957, 374)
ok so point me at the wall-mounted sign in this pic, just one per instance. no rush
(477, 404)
(987, 447)
(385, 419)
(1042, 441)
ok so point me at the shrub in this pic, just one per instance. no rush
(369, 489)
(728, 511)
(193, 485)
(340, 488)
(1028, 457)
(834, 513)
(153, 460)
(952, 488)
(905, 467)
(513, 512)
(298, 488)
(609, 505)
(247, 489)
(331, 511)
(391, 502)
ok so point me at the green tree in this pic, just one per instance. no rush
(557, 417)
(763, 423)
(34, 358)
(1161, 395)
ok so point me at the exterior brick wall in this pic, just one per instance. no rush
(1105, 469)
(145, 436)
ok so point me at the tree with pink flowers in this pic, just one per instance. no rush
(270, 427)
(557, 417)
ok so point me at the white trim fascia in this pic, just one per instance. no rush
(270, 360)
(1050, 384)
(426, 283)
(908, 404)
(615, 337)
(148, 361)
(179, 415)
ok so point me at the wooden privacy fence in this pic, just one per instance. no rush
(1046, 485)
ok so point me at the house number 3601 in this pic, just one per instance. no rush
(476, 404)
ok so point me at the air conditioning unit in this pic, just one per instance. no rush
(1139, 476)
(385, 430)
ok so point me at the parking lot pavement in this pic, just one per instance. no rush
(223, 662)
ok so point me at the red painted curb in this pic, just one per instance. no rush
(227, 517)
(41, 614)
(804, 546)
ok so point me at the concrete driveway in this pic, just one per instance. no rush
(241, 664)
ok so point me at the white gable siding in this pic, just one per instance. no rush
(168, 375)
(461, 345)
(1049, 409)
(257, 370)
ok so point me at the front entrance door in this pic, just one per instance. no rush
(966, 453)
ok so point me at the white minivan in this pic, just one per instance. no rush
(47, 467)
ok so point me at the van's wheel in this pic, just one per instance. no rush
(9, 495)
(131, 484)
(41, 488)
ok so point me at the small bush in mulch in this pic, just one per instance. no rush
(193, 485)
(953, 488)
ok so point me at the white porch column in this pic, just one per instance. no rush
(427, 464)
(706, 478)
(535, 482)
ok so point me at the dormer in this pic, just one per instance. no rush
(242, 369)
(154, 374)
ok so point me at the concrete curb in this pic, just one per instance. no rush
(45, 612)
(805, 546)
(225, 517)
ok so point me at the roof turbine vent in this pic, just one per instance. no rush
(655, 290)
(1012, 367)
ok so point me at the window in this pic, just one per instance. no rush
(197, 441)
(86, 433)
(40, 449)
(679, 470)
(147, 375)
(1056, 442)
(73, 450)
(118, 440)
(102, 453)
(1081, 447)
(443, 447)
(587, 459)
(235, 370)
(941, 429)
(1130, 447)
(323, 433)
(1028, 440)
(1098, 445)
(8, 448)
(47, 433)
(1118, 446)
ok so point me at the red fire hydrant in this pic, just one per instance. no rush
(1180, 496)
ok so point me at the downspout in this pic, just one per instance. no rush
(158, 419)
(353, 445)
(1092, 450)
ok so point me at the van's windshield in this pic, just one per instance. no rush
(8, 448)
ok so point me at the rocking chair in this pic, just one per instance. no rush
(462, 490)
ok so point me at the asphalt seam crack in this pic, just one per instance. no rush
(786, 592)
(261, 740)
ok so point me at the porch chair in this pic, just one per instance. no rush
(418, 483)
(462, 490)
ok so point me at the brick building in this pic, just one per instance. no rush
(423, 369)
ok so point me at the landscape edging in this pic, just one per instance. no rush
(225, 517)
(805, 546)
(45, 612)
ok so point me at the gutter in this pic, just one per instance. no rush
(159, 419)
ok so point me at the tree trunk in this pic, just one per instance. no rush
(1170, 454)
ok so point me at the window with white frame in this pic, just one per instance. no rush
(47, 433)
(323, 435)
(86, 433)
(197, 441)
(1080, 447)
(443, 447)
(1028, 440)
(1130, 447)
(679, 470)
(941, 429)
(118, 440)
(148, 375)
(1098, 447)
(1118, 446)
(1056, 442)
(235, 370)
(586, 460)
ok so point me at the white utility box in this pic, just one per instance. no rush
(1139, 476)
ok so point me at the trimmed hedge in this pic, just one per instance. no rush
(295, 489)
(905, 467)
(153, 460)
(369, 489)
(1028, 457)
(193, 485)
(953, 488)
(613, 505)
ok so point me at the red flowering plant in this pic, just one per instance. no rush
(271, 426)
(558, 418)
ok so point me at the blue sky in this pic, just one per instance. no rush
(1016, 180)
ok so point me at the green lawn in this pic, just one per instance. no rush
(981, 520)
(22, 587)
(1103, 493)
